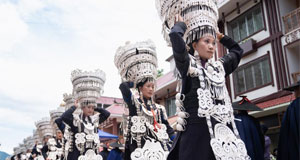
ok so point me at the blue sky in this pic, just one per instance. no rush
(42, 41)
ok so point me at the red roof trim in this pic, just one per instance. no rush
(109, 100)
(161, 81)
(276, 101)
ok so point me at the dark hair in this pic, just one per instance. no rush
(145, 80)
(191, 48)
(196, 34)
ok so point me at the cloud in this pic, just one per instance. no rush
(46, 39)
(12, 29)
(12, 137)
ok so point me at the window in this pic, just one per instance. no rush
(170, 106)
(247, 24)
(252, 75)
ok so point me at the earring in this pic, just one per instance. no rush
(142, 98)
(196, 55)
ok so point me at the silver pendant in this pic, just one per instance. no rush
(160, 133)
(226, 145)
(138, 124)
(150, 151)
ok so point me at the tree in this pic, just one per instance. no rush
(160, 72)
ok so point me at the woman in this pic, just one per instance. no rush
(147, 122)
(203, 106)
(249, 128)
(85, 141)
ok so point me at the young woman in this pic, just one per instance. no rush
(84, 126)
(205, 114)
(148, 128)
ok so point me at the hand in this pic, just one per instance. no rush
(178, 18)
(76, 103)
(219, 36)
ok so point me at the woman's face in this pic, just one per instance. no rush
(206, 47)
(88, 110)
(147, 89)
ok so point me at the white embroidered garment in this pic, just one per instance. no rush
(54, 152)
(87, 139)
(142, 127)
(214, 101)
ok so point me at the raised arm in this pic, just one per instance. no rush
(232, 59)
(61, 126)
(180, 52)
(104, 114)
(127, 96)
(125, 90)
(67, 117)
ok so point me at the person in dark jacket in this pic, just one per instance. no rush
(137, 107)
(115, 153)
(104, 153)
(61, 126)
(289, 138)
(85, 125)
(148, 132)
(249, 128)
(203, 105)
(36, 152)
(45, 148)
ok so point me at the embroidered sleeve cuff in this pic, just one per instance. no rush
(228, 42)
(179, 27)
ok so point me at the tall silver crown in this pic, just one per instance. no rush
(54, 114)
(200, 16)
(69, 100)
(22, 148)
(17, 150)
(29, 142)
(136, 61)
(44, 127)
(36, 136)
(87, 85)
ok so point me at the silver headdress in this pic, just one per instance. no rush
(44, 127)
(200, 16)
(17, 150)
(87, 86)
(54, 114)
(36, 136)
(137, 61)
(29, 142)
(69, 100)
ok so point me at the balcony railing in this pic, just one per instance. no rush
(292, 20)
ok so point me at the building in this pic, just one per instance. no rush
(269, 33)
(117, 110)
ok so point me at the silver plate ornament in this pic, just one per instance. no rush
(138, 124)
(150, 151)
(90, 155)
(226, 145)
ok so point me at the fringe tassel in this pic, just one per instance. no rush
(198, 32)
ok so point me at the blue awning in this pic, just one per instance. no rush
(105, 136)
